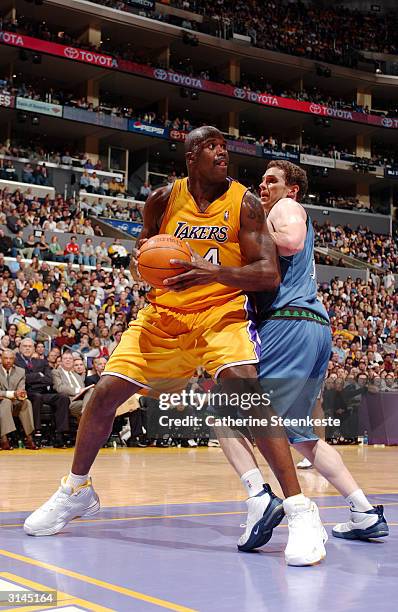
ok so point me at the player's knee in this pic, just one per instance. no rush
(108, 394)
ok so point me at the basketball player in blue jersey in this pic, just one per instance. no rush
(295, 350)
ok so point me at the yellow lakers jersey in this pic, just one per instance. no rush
(213, 234)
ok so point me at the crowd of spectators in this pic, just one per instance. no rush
(129, 51)
(57, 319)
(364, 355)
(336, 34)
(329, 34)
(378, 250)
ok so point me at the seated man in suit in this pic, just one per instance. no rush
(39, 386)
(69, 383)
(13, 401)
(99, 364)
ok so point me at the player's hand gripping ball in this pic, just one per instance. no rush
(154, 259)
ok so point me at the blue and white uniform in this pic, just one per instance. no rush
(295, 340)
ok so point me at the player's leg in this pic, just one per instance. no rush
(318, 413)
(365, 520)
(282, 376)
(133, 364)
(228, 351)
(76, 496)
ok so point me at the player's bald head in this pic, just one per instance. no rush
(200, 135)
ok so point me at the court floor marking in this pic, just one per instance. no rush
(91, 522)
(63, 599)
(99, 583)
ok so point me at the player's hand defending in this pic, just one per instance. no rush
(199, 271)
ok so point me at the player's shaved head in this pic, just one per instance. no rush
(199, 135)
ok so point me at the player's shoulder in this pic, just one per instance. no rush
(288, 206)
(159, 198)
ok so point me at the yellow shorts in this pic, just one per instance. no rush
(163, 344)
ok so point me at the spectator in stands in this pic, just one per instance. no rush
(79, 367)
(18, 244)
(72, 250)
(145, 191)
(85, 181)
(68, 383)
(14, 402)
(5, 243)
(39, 386)
(27, 173)
(10, 172)
(48, 329)
(99, 364)
(55, 251)
(94, 184)
(101, 254)
(118, 253)
(87, 253)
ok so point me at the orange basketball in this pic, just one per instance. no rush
(154, 259)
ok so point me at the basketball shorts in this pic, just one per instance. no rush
(294, 359)
(163, 347)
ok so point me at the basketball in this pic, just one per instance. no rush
(154, 260)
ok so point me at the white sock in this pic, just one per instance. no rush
(358, 501)
(253, 482)
(75, 481)
(298, 499)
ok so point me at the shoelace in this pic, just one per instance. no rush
(295, 518)
(56, 501)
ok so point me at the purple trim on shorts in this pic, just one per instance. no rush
(251, 327)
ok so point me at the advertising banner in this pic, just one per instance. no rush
(317, 160)
(391, 173)
(292, 156)
(85, 116)
(148, 129)
(170, 76)
(37, 106)
(244, 148)
(178, 135)
(132, 228)
(147, 5)
(7, 101)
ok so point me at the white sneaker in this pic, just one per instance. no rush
(213, 444)
(65, 505)
(304, 464)
(307, 536)
(264, 513)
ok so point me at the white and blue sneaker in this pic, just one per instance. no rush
(363, 525)
(65, 505)
(264, 513)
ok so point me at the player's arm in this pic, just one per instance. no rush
(154, 210)
(287, 222)
(261, 270)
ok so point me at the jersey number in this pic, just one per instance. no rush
(212, 255)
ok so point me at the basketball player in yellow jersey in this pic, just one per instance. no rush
(207, 324)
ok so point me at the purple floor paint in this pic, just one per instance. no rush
(193, 561)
